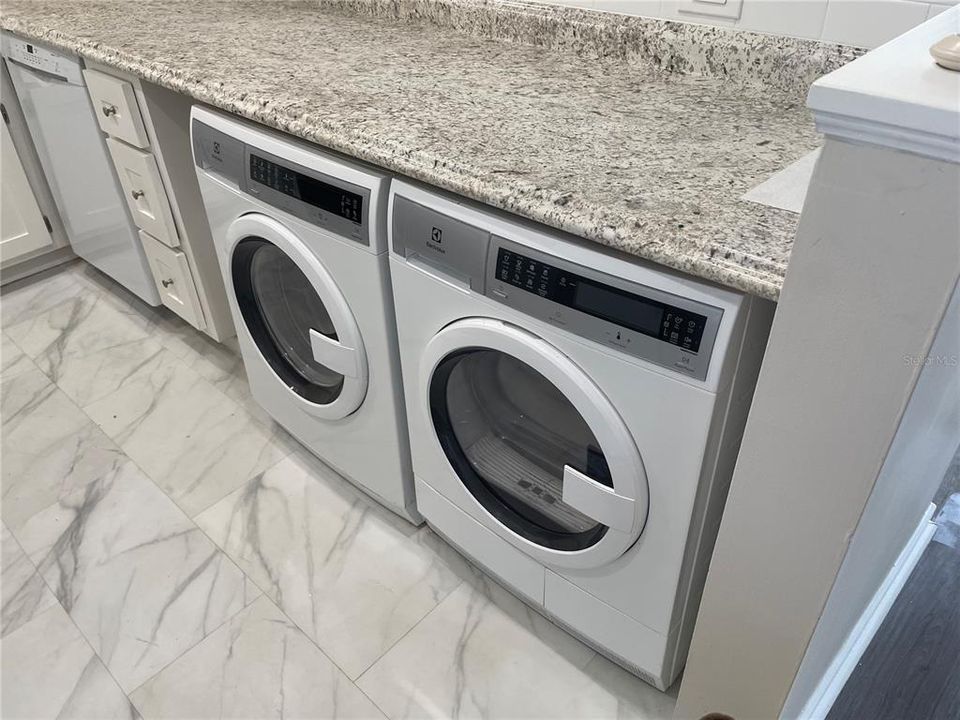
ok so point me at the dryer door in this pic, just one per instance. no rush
(538, 446)
(297, 317)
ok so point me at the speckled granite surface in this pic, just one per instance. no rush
(638, 134)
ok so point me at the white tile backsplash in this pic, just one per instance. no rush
(798, 18)
(869, 23)
(865, 23)
(646, 8)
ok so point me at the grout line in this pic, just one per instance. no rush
(259, 594)
(84, 637)
(127, 458)
(154, 330)
(410, 630)
(367, 696)
(202, 638)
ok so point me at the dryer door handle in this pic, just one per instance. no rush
(334, 355)
(597, 501)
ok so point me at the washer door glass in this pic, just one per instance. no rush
(280, 307)
(509, 432)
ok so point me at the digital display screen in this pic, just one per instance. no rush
(617, 306)
(307, 189)
(644, 315)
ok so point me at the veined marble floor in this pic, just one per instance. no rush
(169, 552)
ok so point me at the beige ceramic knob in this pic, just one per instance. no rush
(947, 52)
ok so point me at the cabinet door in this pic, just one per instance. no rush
(144, 191)
(22, 229)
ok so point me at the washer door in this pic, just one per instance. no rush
(537, 445)
(297, 317)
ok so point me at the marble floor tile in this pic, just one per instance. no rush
(634, 698)
(483, 654)
(191, 439)
(139, 579)
(13, 360)
(50, 447)
(31, 296)
(23, 592)
(62, 341)
(91, 377)
(352, 575)
(115, 293)
(50, 671)
(219, 363)
(258, 665)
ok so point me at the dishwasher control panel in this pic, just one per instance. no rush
(40, 58)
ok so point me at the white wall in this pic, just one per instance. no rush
(919, 456)
(864, 23)
(874, 264)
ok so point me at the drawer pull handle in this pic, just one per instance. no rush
(137, 194)
(109, 110)
(166, 283)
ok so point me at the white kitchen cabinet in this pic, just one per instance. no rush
(156, 173)
(32, 237)
(22, 227)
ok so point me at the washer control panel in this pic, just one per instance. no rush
(331, 203)
(668, 330)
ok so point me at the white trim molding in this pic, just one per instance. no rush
(896, 96)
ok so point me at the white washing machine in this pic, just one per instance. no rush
(574, 417)
(301, 240)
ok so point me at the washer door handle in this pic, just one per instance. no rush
(597, 501)
(334, 355)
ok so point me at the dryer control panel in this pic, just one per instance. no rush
(320, 199)
(665, 329)
(669, 330)
(671, 324)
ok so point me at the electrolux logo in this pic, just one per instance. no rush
(213, 152)
(436, 240)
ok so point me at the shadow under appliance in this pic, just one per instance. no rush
(574, 417)
(301, 242)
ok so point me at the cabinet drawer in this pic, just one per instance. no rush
(174, 281)
(115, 104)
(143, 190)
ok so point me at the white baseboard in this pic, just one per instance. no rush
(836, 676)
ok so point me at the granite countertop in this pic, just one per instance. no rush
(641, 135)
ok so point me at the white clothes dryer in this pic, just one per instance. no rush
(301, 241)
(574, 417)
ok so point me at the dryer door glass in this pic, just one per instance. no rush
(279, 307)
(509, 432)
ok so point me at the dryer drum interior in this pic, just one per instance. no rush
(279, 307)
(509, 432)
